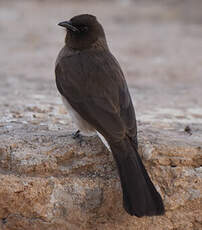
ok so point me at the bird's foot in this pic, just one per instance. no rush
(77, 136)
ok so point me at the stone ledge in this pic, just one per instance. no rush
(48, 179)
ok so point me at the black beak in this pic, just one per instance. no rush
(69, 26)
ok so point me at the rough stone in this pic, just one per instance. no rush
(48, 180)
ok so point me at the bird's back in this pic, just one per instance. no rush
(95, 74)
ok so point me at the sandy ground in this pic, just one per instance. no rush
(157, 44)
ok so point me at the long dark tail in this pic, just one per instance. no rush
(140, 198)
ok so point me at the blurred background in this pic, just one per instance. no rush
(157, 42)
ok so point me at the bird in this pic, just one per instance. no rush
(94, 90)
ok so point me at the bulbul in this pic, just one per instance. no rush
(94, 90)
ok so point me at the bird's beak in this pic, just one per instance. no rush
(69, 26)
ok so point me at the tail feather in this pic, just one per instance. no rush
(140, 198)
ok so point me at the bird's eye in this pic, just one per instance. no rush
(84, 29)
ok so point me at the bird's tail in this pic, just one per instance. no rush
(140, 198)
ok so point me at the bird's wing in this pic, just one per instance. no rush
(94, 85)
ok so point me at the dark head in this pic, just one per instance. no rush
(83, 31)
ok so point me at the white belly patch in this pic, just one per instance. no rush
(85, 128)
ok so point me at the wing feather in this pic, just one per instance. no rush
(94, 85)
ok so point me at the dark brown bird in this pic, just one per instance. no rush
(94, 89)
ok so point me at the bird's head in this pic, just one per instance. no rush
(83, 31)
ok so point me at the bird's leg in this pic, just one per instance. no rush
(76, 134)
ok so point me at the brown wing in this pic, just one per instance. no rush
(94, 85)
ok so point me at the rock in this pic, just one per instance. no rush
(47, 179)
